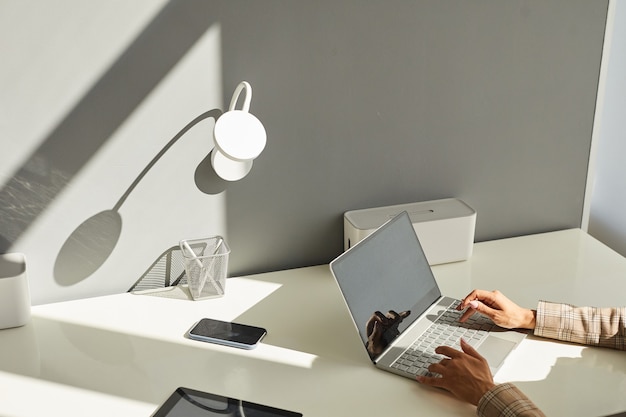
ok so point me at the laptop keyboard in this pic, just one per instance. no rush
(445, 331)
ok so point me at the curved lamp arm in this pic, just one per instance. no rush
(215, 114)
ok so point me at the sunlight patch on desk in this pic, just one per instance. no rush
(130, 312)
(517, 369)
(263, 351)
(50, 398)
(285, 356)
(601, 371)
(249, 292)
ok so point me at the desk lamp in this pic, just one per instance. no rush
(239, 138)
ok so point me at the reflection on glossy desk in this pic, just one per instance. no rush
(124, 354)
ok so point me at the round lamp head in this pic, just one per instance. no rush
(239, 135)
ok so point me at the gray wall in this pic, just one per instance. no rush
(366, 103)
(376, 103)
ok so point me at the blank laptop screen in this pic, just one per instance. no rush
(387, 271)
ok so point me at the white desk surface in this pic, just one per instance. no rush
(124, 354)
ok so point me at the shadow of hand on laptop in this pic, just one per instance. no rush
(382, 329)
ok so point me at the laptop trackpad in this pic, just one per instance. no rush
(495, 349)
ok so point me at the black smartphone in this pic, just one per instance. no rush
(227, 333)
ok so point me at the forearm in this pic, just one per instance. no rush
(507, 399)
(604, 327)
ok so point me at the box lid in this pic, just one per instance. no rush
(448, 208)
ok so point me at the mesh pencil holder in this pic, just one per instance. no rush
(206, 266)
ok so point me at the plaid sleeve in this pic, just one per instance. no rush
(507, 400)
(604, 327)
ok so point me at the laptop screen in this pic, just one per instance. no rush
(386, 282)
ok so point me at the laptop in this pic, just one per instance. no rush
(398, 309)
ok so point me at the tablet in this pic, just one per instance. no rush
(186, 402)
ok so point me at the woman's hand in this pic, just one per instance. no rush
(464, 373)
(502, 311)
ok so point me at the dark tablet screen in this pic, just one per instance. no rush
(186, 402)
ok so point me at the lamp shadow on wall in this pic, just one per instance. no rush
(93, 241)
(119, 91)
(139, 69)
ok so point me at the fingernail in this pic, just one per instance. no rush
(473, 304)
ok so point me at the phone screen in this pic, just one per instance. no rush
(227, 333)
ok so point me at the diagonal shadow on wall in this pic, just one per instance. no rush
(98, 114)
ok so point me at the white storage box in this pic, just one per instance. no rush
(14, 292)
(445, 227)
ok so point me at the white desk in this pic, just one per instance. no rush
(124, 354)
